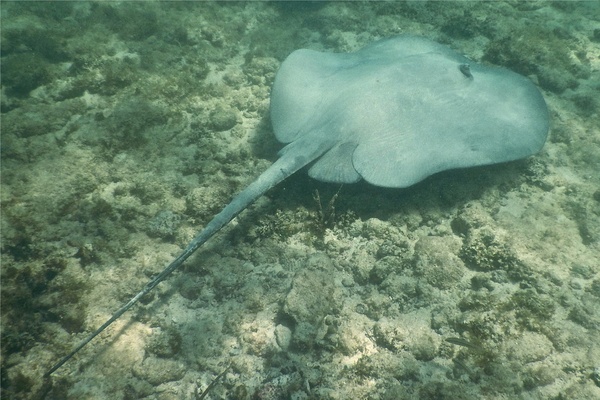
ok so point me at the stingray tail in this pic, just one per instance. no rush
(290, 162)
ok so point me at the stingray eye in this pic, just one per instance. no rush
(466, 70)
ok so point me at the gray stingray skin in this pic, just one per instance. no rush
(392, 113)
(402, 109)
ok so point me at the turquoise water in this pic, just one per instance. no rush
(126, 126)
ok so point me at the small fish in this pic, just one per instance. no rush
(463, 342)
(466, 70)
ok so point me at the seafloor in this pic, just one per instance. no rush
(126, 126)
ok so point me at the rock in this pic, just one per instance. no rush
(157, 371)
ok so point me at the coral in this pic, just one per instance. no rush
(129, 123)
(587, 101)
(437, 263)
(35, 295)
(463, 26)
(164, 224)
(165, 342)
(223, 118)
(157, 371)
(536, 51)
(22, 73)
(483, 251)
(533, 310)
(131, 21)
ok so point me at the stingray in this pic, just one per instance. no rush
(392, 113)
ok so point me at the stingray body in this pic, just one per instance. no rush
(392, 113)
(402, 109)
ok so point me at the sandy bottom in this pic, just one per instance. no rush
(127, 126)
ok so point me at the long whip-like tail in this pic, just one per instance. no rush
(276, 173)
